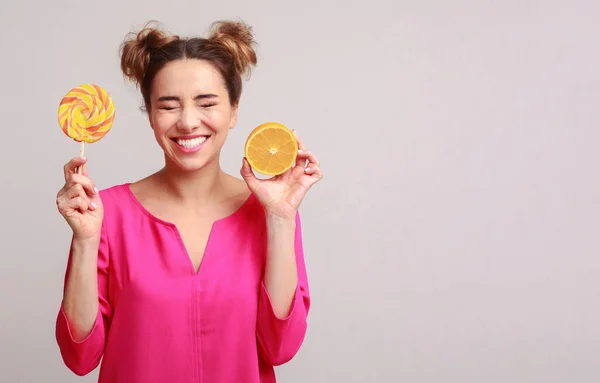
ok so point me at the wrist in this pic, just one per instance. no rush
(276, 221)
(84, 244)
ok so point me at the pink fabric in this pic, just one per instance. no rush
(159, 321)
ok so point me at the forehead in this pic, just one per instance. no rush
(188, 76)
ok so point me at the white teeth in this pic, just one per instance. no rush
(192, 143)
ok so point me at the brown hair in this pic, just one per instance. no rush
(229, 48)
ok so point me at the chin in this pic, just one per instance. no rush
(187, 164)
(191, 163)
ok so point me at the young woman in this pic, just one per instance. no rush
(190, 274)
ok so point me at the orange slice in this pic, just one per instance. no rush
(271, 149)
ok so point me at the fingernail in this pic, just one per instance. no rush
(94, 205)
(307, 169)
(300, 151)
(95, 190)
(83, 158)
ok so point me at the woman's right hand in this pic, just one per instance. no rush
(79, 203)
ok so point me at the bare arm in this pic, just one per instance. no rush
(281, 274)
(80, 299)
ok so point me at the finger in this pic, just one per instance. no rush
(72, 166)
(314, 172)
(62, 191)
(309, 156)
(78, 203)
(82, 170)
(300, 144)
(248, 175)
(300, 161)
(88, 184)
(77, 191)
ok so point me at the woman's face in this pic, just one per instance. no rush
(190, 113)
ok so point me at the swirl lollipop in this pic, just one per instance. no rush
(86, 114)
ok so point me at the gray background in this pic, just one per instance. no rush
(454, 237)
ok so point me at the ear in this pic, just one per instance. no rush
(234, 114)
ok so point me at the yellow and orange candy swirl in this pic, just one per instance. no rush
(86, 113)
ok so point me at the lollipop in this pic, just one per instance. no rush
(86, 114)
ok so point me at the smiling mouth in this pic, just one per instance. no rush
(190, 143)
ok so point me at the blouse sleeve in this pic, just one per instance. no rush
(279, 339)
(83, 356)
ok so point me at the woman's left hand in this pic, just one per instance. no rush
(281, 195)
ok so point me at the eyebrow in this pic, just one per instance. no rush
(198, 97)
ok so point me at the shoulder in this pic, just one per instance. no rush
(115, 197)
(114, 190)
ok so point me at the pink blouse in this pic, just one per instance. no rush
(160, 321)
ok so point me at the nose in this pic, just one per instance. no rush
(189, 119)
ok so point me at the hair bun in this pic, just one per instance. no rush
(137, 50)
(238, 40)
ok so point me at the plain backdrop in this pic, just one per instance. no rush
(455, 236)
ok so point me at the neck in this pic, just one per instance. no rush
(193, 187)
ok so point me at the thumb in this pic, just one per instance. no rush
(248, 175)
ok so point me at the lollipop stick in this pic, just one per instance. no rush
(81, 154)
